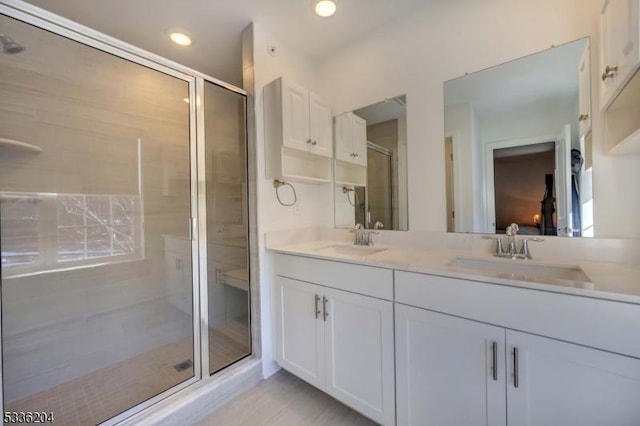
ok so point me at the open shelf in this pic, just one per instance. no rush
(351, 174)
(623, 120)
(304, 166)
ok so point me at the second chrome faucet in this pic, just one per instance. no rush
(513, 251)
(364, 237)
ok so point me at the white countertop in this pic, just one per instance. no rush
(608, 280)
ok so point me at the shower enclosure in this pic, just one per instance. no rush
(123, 224)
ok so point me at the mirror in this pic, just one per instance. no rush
(518, 145)
(381, 198)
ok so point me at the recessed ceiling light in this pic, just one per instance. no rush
(180, 38)
(324, 8)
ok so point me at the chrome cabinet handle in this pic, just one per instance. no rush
(314, 143)
(583, 117)
(609, 72)
(317, 306)
(494, 349)
(324, 307)
(516, 379)
(308, 140)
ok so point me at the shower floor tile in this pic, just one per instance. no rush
(104, 393)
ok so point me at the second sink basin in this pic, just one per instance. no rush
(349, 250)
(522, 270)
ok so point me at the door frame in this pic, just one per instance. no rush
(458, 206)
(489, 181)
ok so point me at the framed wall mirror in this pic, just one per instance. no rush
(376, 197)
(518, 145)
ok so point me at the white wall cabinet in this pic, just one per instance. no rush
(350, 149)
(338, 341)
(584, 92)
(620, 47)
(298, 133)
(445, 376)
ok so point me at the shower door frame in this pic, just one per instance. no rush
(384, 151)
(55, 24)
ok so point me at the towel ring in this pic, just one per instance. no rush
(277, 184)
(346, 190)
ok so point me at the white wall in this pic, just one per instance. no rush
(315, 201)
(446, 39)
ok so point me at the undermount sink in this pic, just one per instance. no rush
(521, 270)
(349, 250)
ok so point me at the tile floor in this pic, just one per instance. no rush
(95, 397)
(285, 400)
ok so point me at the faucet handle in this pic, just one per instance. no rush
(525, 246)
(356, 228)
(499, 249)
(512, 230)
(378, 225)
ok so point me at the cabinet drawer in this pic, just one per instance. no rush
(367, 280)
(604, 324)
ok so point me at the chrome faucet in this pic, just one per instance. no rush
(364, 237)
(512, 234)
(512, 244)
(360, 235)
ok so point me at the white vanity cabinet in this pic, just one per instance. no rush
(446, 360)
(298, 133)
(351, 149)
(620, 46)
(340, 341)
(445, 370)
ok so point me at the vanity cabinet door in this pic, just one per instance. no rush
(359, 353)
(449, 371)
(565, 384)
(300, 329)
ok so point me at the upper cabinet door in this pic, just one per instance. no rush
(320, 130)
(620, 47)
(560, 383)
(344, 137)
(359, 141)
(584, 92)
(295, 116)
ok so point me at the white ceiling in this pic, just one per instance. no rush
(216, 25)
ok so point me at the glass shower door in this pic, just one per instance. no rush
(227, 226)
(95, 208)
